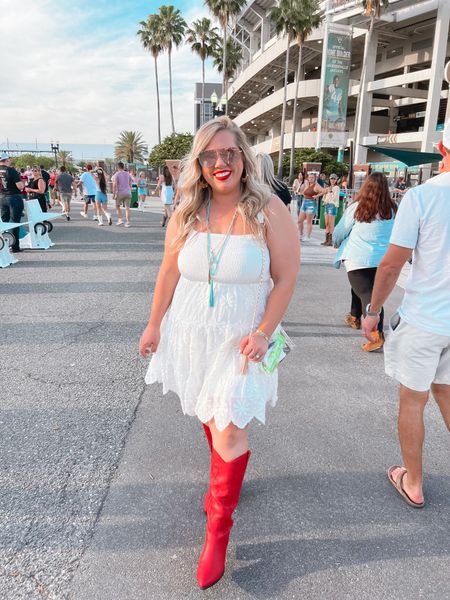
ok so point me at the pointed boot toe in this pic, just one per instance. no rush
(211, 565)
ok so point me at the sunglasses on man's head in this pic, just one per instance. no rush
(229, 156)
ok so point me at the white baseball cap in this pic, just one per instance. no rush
(4, 156)
(446, 135)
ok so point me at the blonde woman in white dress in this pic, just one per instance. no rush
(229, 271)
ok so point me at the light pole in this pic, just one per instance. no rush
(55, 150)
(219, 106)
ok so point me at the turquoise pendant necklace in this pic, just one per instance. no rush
(214, 256)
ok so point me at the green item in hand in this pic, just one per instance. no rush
(274, 354)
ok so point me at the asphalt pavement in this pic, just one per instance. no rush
(102, 477)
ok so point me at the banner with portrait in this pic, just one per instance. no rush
(336, 65)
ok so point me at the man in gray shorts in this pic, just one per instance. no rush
(121, 186)
(64, 183)
(417, 350)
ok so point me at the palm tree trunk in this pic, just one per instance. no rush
(362, 83)
(170, 91)
(283, 115)
(224, 61)
(158, 107)
(294, 117)
(202, 118)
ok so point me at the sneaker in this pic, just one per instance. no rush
(352, 321)
(83, 214)
(95, 218)
(127, 224)
(100, 223)
(108, 216)
(375, 345)
(68, 217)
(119, 222)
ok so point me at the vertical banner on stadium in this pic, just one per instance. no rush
(336, 64)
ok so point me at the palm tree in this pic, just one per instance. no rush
(306, 18)
(224, 11)
(171, 29)
(150, 39)
(282, 17)
(233, 54)
(65, 157)
(130, 147)
(371, 9)
(203, 39)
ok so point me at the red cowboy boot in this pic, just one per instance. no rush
(225, 488)
(209, 439)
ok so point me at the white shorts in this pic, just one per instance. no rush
(414, 357)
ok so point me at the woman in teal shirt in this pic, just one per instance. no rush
(363, 237)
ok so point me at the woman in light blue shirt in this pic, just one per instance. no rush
(363, 238)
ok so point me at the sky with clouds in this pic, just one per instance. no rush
(76, 72)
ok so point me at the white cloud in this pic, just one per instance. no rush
(86, 88)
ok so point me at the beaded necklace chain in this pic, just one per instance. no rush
(214, 255)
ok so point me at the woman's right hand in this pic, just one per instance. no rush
(149, 341)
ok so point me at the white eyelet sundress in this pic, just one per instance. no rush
(198, 356)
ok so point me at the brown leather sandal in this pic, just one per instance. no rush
(399, 487)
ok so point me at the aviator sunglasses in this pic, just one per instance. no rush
(229, 156)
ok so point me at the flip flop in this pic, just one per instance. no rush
(399, 487)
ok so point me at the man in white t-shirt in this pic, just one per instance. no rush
(417, 350)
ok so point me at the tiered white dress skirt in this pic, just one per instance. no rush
(198, 357)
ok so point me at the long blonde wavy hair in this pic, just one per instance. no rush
(195, 192)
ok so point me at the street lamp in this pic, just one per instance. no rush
(55, 150)
(218, 106)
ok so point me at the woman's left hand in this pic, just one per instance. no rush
(254, 347)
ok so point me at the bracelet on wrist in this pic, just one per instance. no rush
(262, 334)
(372, 313)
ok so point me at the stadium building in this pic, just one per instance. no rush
(405, 101)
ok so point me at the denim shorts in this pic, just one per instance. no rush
(309, 207)
(330, 209)
(101, 197)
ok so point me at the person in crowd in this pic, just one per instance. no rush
(322, 179)
(11, 199)
(330, 203)
(142, 190)
(24, 179)
(89, 187)
(213, 315)
(344, 191)
(52, 188)
(29, 173)
(36, 188)
(298, 186)
(99, 164)
(121, 187)
(101, 197)
(400, 185)
(165, 185)
(46, 177)
(297, 194)
(63, 186)
(267, 175)
(76, 184)
(363, 237)
(417, 350)
(308, 209)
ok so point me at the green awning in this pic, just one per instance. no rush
(411, 158)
